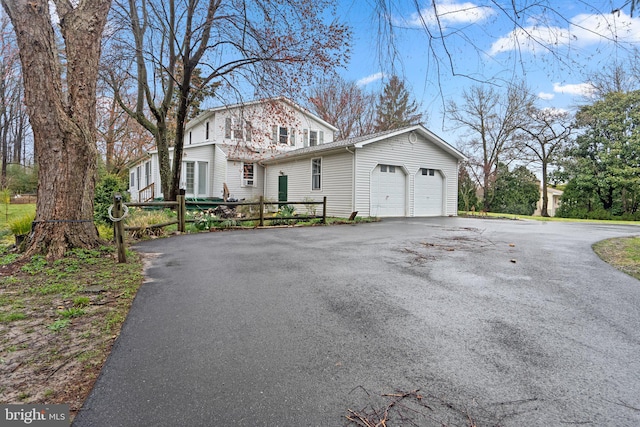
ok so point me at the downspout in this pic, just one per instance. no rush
(353, 179)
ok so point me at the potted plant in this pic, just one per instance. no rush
(21, 227)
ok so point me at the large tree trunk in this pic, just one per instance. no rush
(544, 211)
(63, 120)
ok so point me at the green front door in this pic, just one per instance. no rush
(282, 188)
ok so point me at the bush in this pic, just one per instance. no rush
(22, 225)
(108, 185)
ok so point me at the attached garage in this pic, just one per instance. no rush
(398, 173)
(388, 191)
(428, 192)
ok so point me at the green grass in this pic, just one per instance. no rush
(14, 212)
(623, 253)
(549, 219)
(78, 303)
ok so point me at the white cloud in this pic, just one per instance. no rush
(583, 30)
(546, 96)
(450, 12)
(582, 89)
(370, 79)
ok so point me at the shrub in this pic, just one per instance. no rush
(108, 185)
(22, 225)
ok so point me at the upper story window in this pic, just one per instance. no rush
(312, 137)
(283, 135)
(206, 131)
(235, 128)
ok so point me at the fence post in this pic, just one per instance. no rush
(261, 211)
(118, 227)
(324, 210)
(182, 210)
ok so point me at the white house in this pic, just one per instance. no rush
(224, 145)
(403, 172)
(282, 151)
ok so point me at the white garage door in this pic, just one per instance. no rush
(388, 184)
(428, 193)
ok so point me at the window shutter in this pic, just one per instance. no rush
(321, 137)
(275, 134)
(227, 127)
(248, 131)
(305, 137)
(292, 138)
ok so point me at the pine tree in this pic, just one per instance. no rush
(395, 109)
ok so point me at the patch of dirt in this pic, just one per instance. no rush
(58, 323)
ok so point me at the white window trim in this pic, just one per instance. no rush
(313, 175)
(196, 177)
(243, 179)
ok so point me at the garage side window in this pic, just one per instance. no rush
(387, 168)
(316, 174)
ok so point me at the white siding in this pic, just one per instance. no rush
(398, 151)
(234, 181)
(337, 182)
(219, 172)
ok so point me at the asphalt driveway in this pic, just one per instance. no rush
(501, 322)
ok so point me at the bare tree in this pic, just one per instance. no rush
(345, 105)
(60, 94)
(12, 110)
(542, 140)
(492, 119)
(267, 44)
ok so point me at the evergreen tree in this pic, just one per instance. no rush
(394, 108)
(515, 192)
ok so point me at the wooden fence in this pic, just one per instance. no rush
(119, 211)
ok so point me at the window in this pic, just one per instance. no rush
(283, 135)
(194, 177)
(147, 173)
(202, 178)
(316, 174)
(132, 180)
(206, 132)
(138, 177)
(313, 138)
(237, 130)
(190, 138)
(428, 172)
(190, 176)
(247, 175)
(388, 168)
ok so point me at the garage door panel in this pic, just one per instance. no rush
(428, 193)
(388, 191)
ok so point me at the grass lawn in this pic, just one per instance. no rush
(623, 253)
(550, 219)
(9, 213)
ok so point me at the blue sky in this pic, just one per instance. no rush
(480, 41)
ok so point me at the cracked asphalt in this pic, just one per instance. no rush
(498, 322)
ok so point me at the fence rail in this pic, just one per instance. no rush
(120, 211)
